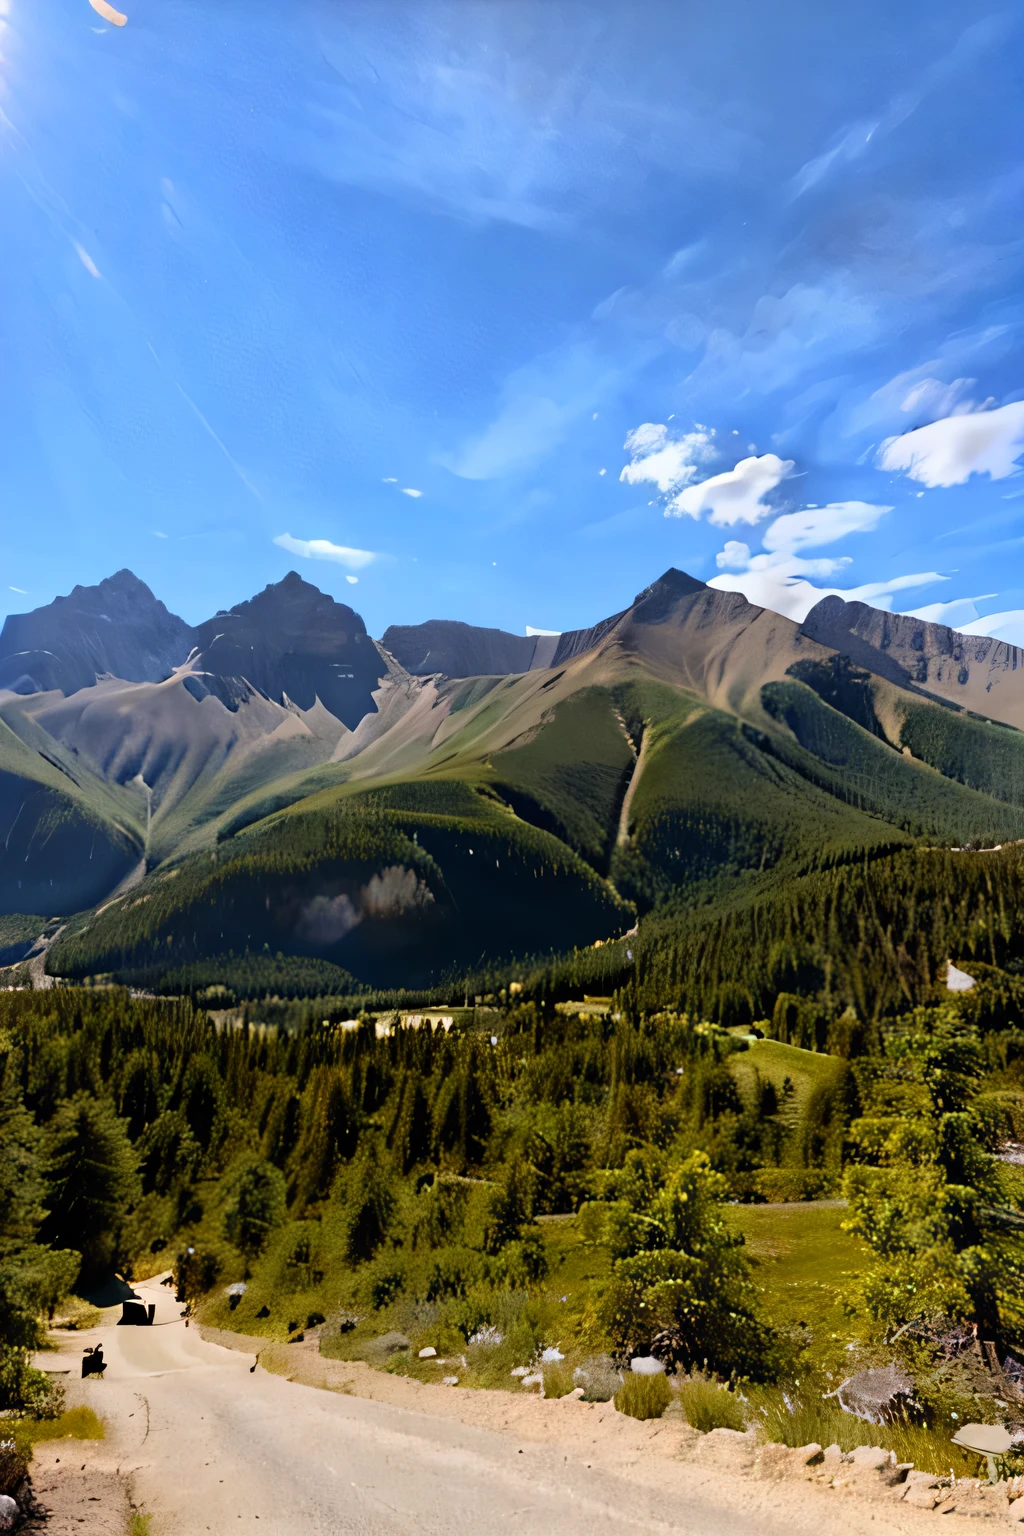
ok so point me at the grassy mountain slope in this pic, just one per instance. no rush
(66, 838)
(396, 886)
(701, 750)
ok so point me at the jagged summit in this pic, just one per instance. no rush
(116, 627)
(669, 587)
(290, 640)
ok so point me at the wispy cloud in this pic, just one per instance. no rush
(853, 141)
(541, 402)
(86, 260)
(20, 591)
(323, 549)
(407, 490)
(1008, 626)
(781, 577)
(948, 451)
(962, 610)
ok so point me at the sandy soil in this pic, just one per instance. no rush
(76, 1487)
(305, 1445)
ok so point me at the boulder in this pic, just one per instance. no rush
(921, 1495)
(598, 1378)
(9, 1512)
(389, 1343)
(787, 1461)
(430, 1353)
(916, 1479)
(646, 1365)
(1016, 1510)
(871, 1458)
(878, 1395)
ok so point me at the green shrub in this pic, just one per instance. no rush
(558, 1379)
(643, 1397)
(13, 1466)
(707, 1405)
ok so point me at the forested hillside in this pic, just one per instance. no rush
(400, 1178)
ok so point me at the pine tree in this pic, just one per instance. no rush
(93, 1176)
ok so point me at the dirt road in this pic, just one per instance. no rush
(211, 1446)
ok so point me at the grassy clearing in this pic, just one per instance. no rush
(774, 1063)
(803, 1256)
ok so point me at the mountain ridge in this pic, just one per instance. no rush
(396, 817)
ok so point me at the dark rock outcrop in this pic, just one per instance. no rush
(458, 650)
(117, 628)
(290, 640)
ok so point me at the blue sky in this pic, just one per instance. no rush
(494, 310)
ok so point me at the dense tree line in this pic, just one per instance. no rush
(414, 1163)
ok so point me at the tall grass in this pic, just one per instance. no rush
(643, 1397)
(558, 1379)
(790, 1419)
(707, 1405)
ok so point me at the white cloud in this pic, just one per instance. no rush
(20, 591)
(780, 578)
(930, 397)
(968, 443)
(1008, 626)
(86, 260)
(157, 534)
(351, 580)
(389, 480)
(734, 496)
(407, 490)
(962, 610)
(531, 631)
(665, 461)
(815, 526)
(323, 549)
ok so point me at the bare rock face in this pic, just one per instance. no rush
(458, 650)
(9, 1512)
(117, 628)
(877, 1395)
(289, 641)
(974, 671)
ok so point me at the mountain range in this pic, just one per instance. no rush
(276, 783)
